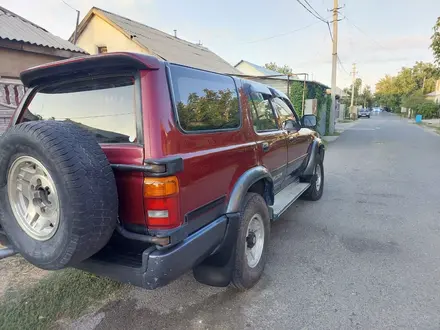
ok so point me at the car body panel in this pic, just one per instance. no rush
(218, 166)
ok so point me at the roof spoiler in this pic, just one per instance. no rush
(85, 66)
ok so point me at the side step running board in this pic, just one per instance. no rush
(287, 196)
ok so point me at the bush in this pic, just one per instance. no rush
(428, 109)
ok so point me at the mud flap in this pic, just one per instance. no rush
(216, 270)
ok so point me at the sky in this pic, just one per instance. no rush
(380, 36)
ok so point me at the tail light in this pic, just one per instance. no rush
(161, 201)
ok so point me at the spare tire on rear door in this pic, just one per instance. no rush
(58, 197)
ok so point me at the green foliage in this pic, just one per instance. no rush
(214, 110)
(328, 107)
(296, 95)
(435, 44)
(391, 91)
(428, 109)
(318, 92)
(413, 100)
(64, 294)
(312, 91)
(285, 69)
(368, 97)
(346, 100)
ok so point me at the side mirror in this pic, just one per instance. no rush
(309, 121)
(290, 125)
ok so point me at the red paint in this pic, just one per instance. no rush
(212, 161)
(130, 184)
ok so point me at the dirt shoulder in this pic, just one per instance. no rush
(31, 298)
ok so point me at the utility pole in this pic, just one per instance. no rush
(76, 27)
(352, 85)
(77, 21)
(331, 127)
(353, 113)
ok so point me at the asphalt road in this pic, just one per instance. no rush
(366, 256)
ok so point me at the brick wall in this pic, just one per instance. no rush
(10, 97)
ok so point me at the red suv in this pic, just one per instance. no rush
(138, 169)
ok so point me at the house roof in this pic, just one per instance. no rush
(265, 71)
(16, 28)
(161, 44)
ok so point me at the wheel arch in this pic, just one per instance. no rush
(316, 152)
(256, 179)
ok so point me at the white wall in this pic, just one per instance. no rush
(248, 69)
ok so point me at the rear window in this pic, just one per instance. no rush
(204, 100)
(106, 107)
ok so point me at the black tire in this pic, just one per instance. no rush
(313, 193)
(85, 184)
(244, 276)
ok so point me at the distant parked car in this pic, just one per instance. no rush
(377, 109)
(364, 113)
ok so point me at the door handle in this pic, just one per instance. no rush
(265, 146)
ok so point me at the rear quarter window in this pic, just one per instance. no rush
(204, 101)
(106, 107)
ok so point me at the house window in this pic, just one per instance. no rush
(102, 49)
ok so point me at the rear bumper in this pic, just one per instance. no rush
(161, 266)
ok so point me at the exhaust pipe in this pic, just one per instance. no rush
(7, 252)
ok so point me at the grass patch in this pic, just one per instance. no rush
(63, 294)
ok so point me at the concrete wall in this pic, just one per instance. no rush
(100, 33)
(12, 61)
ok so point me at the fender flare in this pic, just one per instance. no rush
(316, 151)
(216, 270)
(243, 184)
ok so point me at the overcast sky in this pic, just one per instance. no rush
(381, 36)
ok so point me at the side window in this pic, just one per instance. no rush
(262, 113)
(283, 111)
(204, 100)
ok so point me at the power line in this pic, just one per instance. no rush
(342, 66)
(363, 32)
(311, 7)
(68, 5)
(279, 35)
(330, 30)
(318, 17)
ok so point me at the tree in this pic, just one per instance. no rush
(285, 69)
(435, 44)
(391, 91)
(366, 98)
(347, 92)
